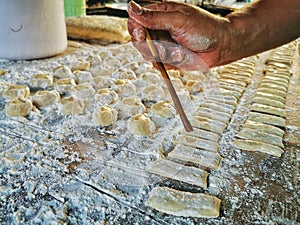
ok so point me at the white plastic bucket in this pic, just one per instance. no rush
(31, 29)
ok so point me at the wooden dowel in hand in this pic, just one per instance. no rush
(186, 123)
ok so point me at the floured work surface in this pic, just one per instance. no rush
(98, 141)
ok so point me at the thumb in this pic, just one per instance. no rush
(156, 19)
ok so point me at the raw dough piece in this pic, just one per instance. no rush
(202, 134)
(124, 87)
(106, 97)
(45, 98)
(269, 102)
(141, 124)
(105, 116)
(218, 106)
(194, 86)
(16, 91)
(72, 105)
(233, 82)
(84, 91)
(131, 106)
(215, 115)
(153, 93)
(272, 91)
(195, 155)
(267, 119)
(197, 142)
(2, 72)
(283, 80)
(18, 107)
(208, 124)
(186, 204)
(237, 77)
(163, 109)
(63, 72)
(65, 85)
(224, 99)
(236, 94)
(278, 98)
(253, 146)
(177, 83)
(264, 128)
(107, 29)
(100, 82)
(257, 107)
(231, 87)
(274, 87)
(83, 76)
(80, 64)
(176, 171)
(259, 136)
(41, 81)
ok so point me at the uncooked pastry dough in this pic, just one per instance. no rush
(63, 72)
(84, 91)
(209, 124)
(176, 171)
(83, 76)
(267, 119)
(106, 97)
(195, 155)
(249, 145)
(141, 124)
(194, 86)
(197, 142)
(65, 85)
(163, 109)
(80, 64)
(18, 107)
(259, 136)
(15, 91)
(257, 107)
(105, 116)
(186, 204)
(102, 28)
(270, 96)
(45, 98)
(153, 92)
(41, 80)
(202, 134)
(131, 106)
(72, 105)
(269, 102)
(264, 128)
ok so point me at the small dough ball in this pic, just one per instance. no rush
(16, 91)
(105, 116)
(124, 74)
(72, 105)
(64, 85)
(45, 98)
(131, 106)
(18, 107)
(106, 97)
(41, 80)
(101, 82)
(124, 87)
(83, 76)
(177, 83)
(141, 124)
(194, 86)
(84, 91)
(163, 109)
(63, 72)
(80, 64)
(153, 93)
(149, 78)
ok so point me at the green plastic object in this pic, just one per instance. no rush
(75, 8)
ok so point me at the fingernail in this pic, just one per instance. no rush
(135, 8)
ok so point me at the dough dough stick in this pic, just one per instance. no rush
(186, 123)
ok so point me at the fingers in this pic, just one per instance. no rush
(156, 20)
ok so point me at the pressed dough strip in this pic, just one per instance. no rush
(186, 204)
(176, 171)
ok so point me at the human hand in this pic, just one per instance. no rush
(186, 36)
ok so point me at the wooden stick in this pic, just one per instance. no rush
(186, 123)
